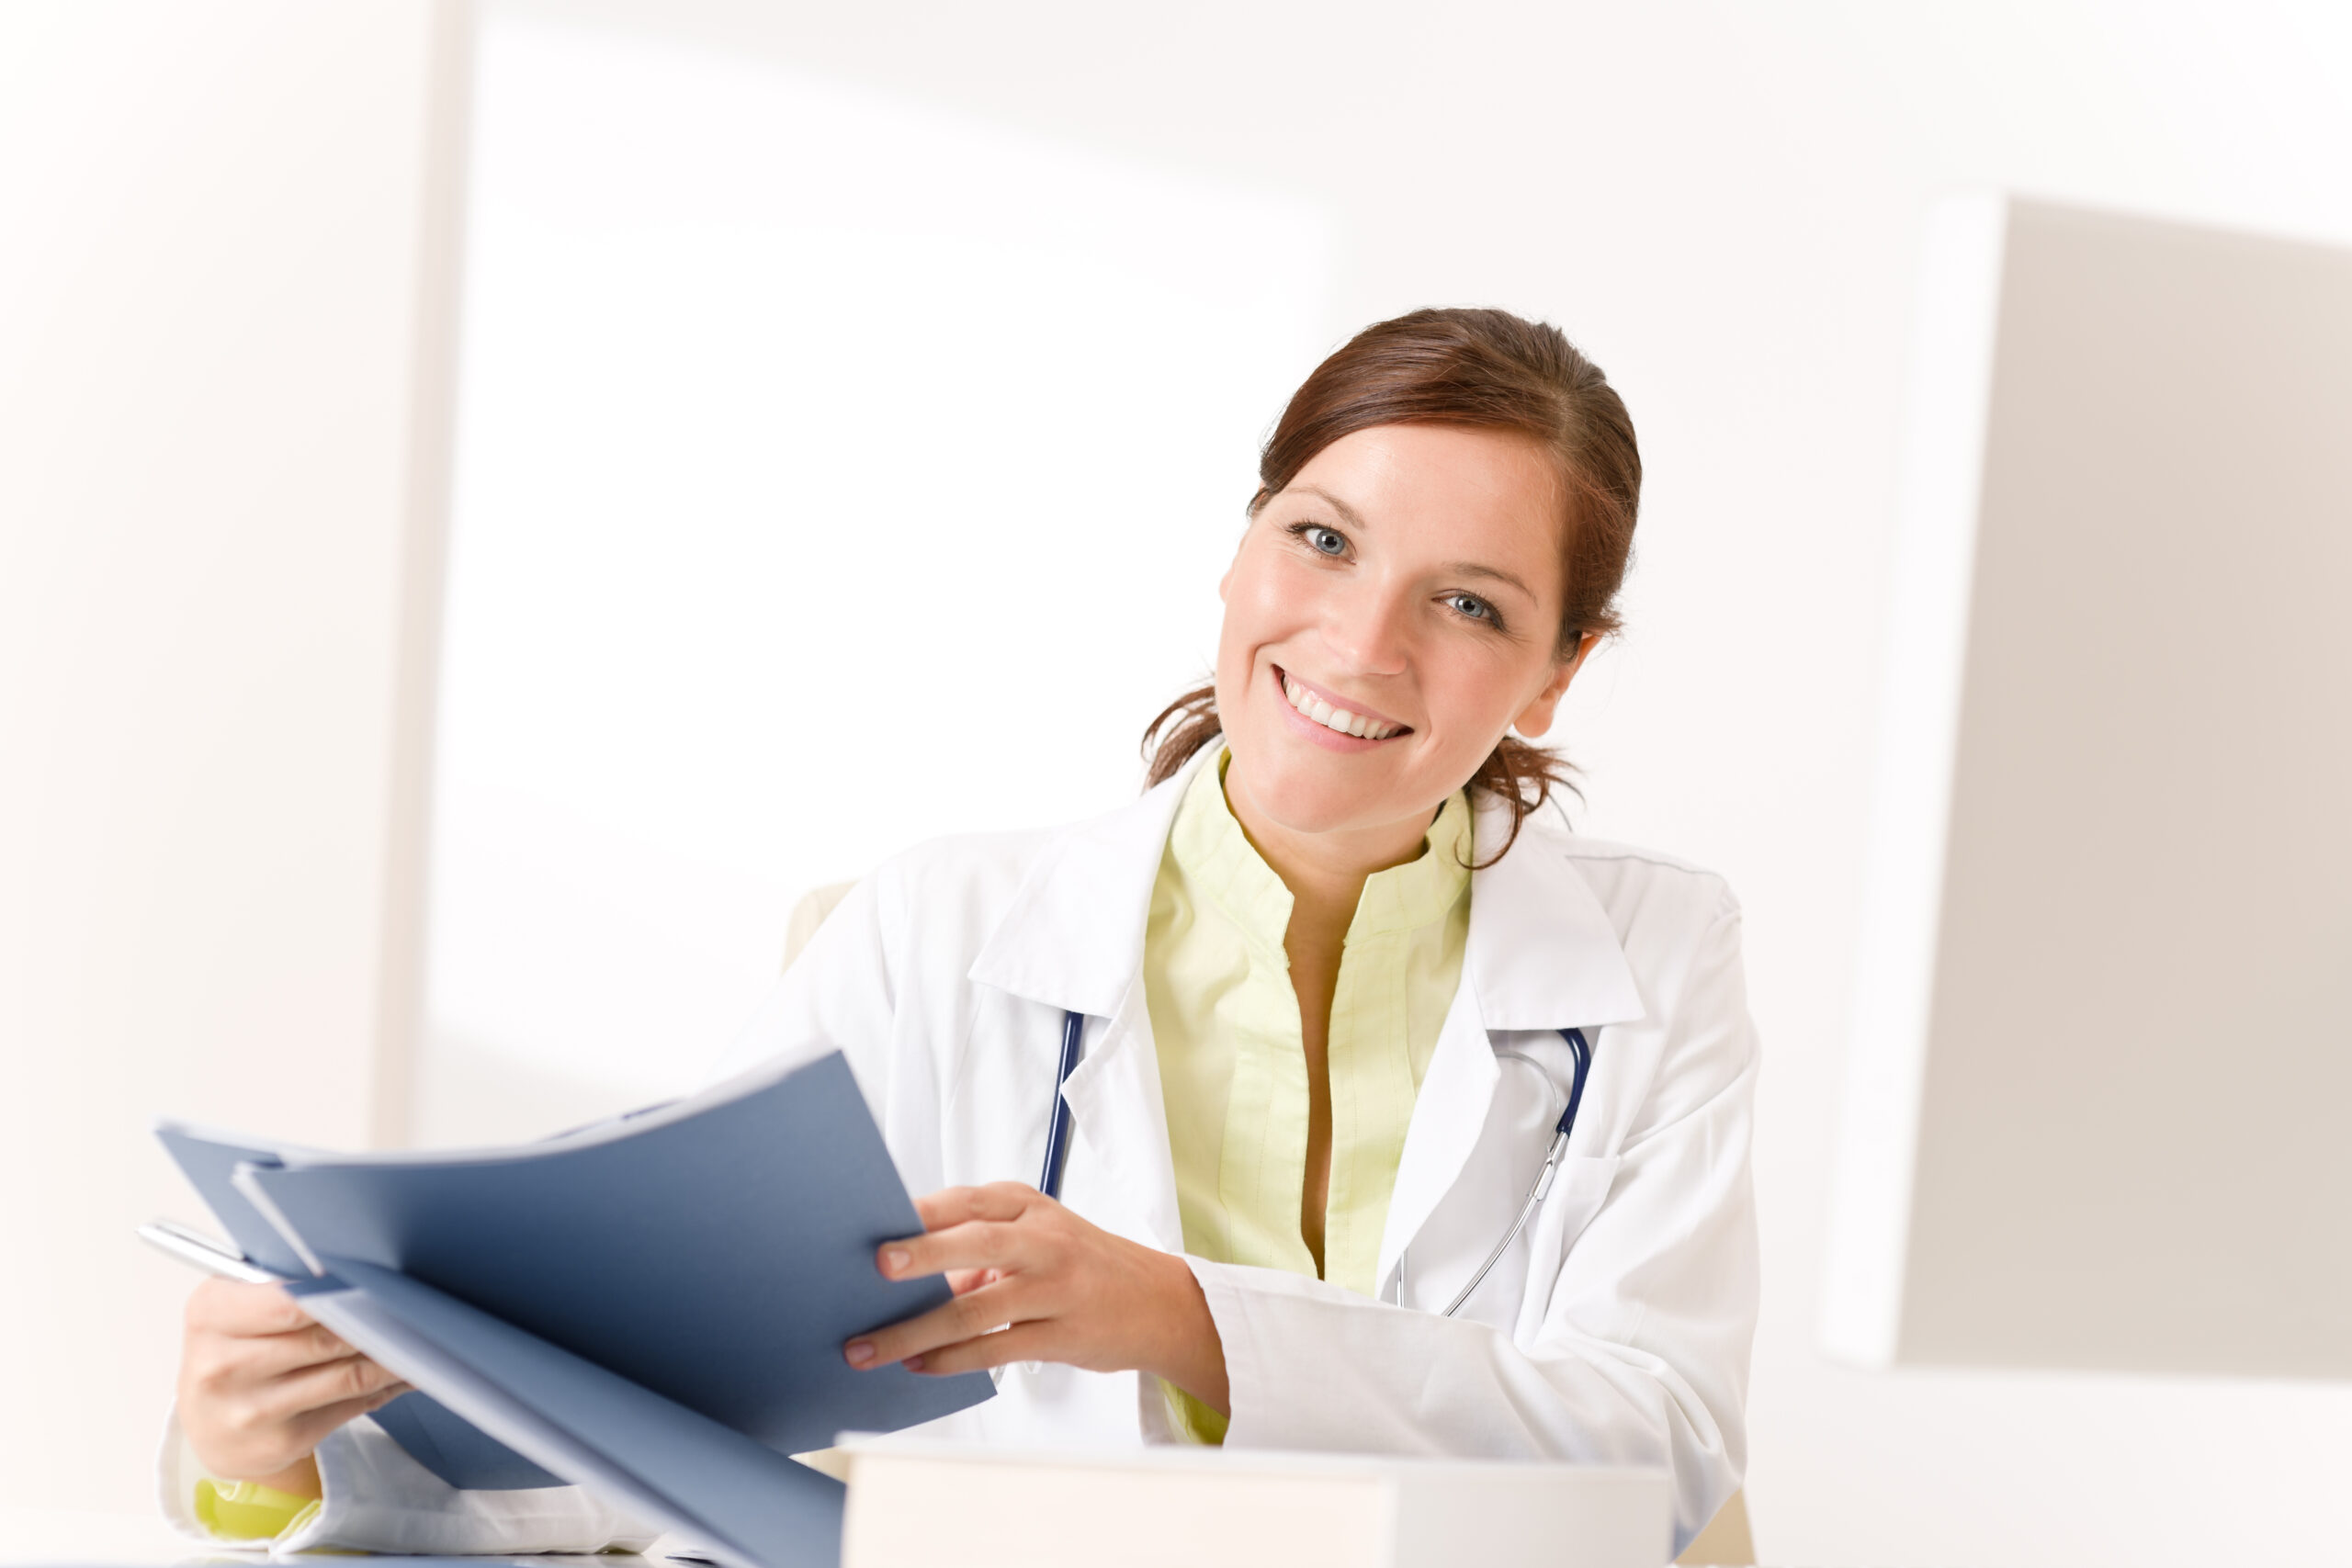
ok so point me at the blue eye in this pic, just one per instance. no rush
(1473, 606)
(1323, 541)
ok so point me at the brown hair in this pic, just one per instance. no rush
(1482, 370)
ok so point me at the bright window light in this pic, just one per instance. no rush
(833, 473)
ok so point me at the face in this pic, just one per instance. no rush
(1410, 576)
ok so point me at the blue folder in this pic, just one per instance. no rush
(742, 1503)
(435, 1437)
(712, 1256)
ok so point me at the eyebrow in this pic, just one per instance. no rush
(1493, 573)
(1349, 515)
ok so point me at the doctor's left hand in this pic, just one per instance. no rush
(1060, 1290)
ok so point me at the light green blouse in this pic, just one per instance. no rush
(1232, 1057)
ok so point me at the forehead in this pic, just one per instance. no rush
(1443, 487)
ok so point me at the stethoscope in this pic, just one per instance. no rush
(1049, 1181)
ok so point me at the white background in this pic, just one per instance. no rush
(203, 213)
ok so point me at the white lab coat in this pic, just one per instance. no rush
(1615, 1330)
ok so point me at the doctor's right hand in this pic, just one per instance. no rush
(261, 1385)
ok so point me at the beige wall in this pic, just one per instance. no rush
(220, 458)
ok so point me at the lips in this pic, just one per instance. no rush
(1336, 712)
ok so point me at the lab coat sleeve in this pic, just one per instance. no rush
(845, 993)
(1641, 1355)
(376, 1498)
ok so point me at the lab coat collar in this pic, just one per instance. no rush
(1542, 952)
(1073, 935)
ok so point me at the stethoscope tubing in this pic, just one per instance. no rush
(1537, 1190)
(1058, 1135)
(1049, 1181)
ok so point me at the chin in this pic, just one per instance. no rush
(1298, 806)
(1302, 790)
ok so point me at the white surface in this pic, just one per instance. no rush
(65, 1536)
(209, 239)
(917, 1502)
(2125, 994)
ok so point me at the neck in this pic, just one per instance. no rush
(1325, 872)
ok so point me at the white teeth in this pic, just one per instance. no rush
(1339, 720)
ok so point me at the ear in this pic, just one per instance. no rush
(1537, 718)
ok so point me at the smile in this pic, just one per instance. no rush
(1319, 706)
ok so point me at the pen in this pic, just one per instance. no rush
(193, 1246)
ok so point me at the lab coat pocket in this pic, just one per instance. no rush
(1579, 1189)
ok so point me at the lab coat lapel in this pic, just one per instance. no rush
(1073, 938)
(1121, 1123)
(1448, 1114)
(1542, 956)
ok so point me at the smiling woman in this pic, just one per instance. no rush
(1401, 1120)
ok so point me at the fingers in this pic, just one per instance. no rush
(962, 1281)
(960, 1205)
(249, 1431)
(219, 1364)
(243, 1311)
(973, 1246)
(308, 1430)
(298, 1395)
(969, 1231)
(975, 1313)
(261, 1383)
(277, 1355)
(1035, 1342)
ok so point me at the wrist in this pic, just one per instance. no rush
(1191, 1354)
(300, 1479)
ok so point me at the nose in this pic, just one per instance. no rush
(1368, 629)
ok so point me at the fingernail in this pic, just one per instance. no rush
(893, 1259)
(912, 1363)
(860, 1352)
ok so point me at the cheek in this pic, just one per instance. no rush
(1263, 604)
(1485, 691)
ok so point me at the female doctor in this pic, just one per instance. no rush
(1328, 983)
